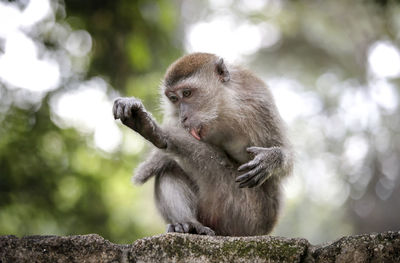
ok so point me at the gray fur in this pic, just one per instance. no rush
(228, 181)
(156, 164)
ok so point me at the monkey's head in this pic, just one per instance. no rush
(193, 90)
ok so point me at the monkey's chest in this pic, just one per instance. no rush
(236, 149)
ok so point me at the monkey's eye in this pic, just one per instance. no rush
(186, 93)
(173, 98)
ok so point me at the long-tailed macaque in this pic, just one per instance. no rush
(220, 153)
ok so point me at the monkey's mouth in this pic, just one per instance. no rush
(196, 132)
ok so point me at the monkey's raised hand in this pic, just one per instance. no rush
(264, 164)
(132, 113)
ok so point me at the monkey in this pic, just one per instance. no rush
(220, 153)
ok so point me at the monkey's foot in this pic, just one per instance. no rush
(191, 228)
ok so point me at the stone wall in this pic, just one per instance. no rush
(384, 247)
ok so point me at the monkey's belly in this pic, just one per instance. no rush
(231, 211)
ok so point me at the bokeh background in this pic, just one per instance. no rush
(65, 164)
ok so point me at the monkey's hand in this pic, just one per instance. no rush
(265, 163)
(132, 113)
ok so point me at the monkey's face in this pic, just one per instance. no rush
(192, 86)
(195, 104)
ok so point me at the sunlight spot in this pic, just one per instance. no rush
(357, 110)
(36, 11)
(225, 38)
(79, 43)
(385, 95)
(270, 34)
(384, 59)
(293, 187)
(292, 101)
(10, 18)
(88, 110)
(20, 66)
(252, 6)
(356, 148)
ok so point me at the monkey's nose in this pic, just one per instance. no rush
(184, 119)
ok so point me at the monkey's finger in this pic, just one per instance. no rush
(127, 111)
(255, 181)
(255, 149)
(252, 183)
(247, 183)
(260, 179)
(187, 227)
(116, 109)
(120, 111)
(250, 174)
(250, 165)
(137, 104)
(243, 178)
(179, 228)
(250, 180)
(119, 108)
(207, 231)
(170, 228)
(203, 230)
(210, 232)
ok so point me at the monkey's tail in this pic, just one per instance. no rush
(140, 179)
(155, 165)
(144, 172)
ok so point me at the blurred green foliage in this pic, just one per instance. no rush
(131, 38)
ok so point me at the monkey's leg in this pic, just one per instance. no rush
(176, 199)
(133, 114)
(175, 193)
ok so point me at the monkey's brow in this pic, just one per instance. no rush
(178, 87)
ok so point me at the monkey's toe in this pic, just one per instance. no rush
(203, 230)
(179, 228)
(190, 228)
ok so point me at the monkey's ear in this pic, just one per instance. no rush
(221, 70)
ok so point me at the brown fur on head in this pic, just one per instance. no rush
(187, 66)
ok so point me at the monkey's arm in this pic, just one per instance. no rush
(267, 162)
(133, 114)
(173, 140)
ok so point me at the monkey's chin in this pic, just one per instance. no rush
(196, 133)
